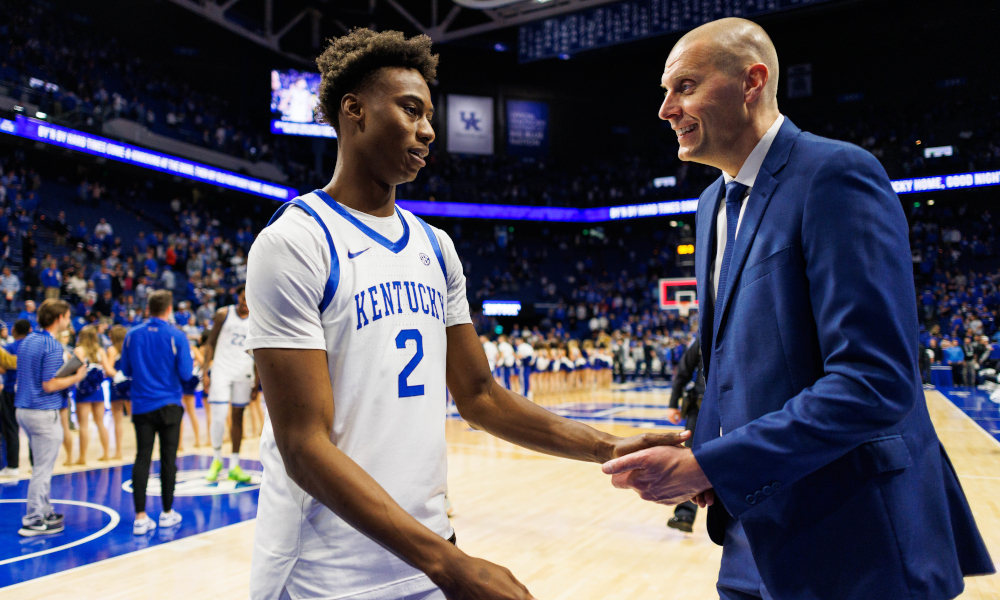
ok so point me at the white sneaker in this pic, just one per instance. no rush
(8, 472)
(143, 526)
(169, 519)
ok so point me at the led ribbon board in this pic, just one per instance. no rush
(501, 308)
(41, 131)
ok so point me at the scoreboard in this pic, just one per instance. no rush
(633, 20)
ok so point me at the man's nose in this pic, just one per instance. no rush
(425, 132)
(669, 109)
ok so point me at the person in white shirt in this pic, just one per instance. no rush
(358, 314)
(491, 351)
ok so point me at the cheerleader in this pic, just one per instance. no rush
(90, 392)
(540, 375)
(121, 387)
(188, 389)
(65, 409)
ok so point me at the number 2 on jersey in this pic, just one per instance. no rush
(406, 390)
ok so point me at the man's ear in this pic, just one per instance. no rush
(756, 78)
(353, 110)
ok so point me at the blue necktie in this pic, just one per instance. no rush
(734, 196)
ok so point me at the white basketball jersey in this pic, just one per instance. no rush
(379, 308)
(230, 360)
(506, 354)
(491, 354)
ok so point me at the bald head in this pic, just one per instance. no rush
(734, 45)
(720, 92)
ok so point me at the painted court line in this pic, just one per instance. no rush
(115, 519)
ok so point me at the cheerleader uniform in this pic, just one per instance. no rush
(121, 387)
(90, 389)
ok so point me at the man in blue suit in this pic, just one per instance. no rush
(814, 447)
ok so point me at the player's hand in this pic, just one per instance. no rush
(206, 381)
(476, 579)
(626, 446)
(674, 415)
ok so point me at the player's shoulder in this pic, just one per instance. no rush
(293, 228)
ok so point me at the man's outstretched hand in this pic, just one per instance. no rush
(662, 474)
(629, 445)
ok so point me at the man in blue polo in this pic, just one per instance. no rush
(38, 400)
(156, 356)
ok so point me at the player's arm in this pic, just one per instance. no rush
(486, 405)
(300, 403)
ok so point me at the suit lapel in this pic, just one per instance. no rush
(760, 197)
(704, 249)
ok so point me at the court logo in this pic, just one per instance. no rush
(193, 483)
(471, 122)
(425, 259)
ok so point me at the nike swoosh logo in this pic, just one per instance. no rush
(353, 254)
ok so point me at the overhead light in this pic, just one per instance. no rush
(18, 108)
(500, 47)
(930, 203)
(564, 56)
(41, 115)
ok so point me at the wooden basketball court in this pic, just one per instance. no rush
(557, 524)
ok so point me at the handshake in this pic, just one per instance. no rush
(655, 465)
(659, 469)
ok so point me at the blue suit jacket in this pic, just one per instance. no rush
(828, 458)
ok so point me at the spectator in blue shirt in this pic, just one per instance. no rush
(51, 280)
(955, 358)
(156, 356)
(8, 417)
(29, 314)
(38, 400)
(102, 280)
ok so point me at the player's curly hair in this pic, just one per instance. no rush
(349, 62)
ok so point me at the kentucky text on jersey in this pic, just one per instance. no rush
(386, 299)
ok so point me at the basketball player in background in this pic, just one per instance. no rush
(491, 351)
(506, 360)
(358, 317)
(232, 382)
(525, 358)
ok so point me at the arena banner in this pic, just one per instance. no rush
(470, 124)
(527, 128)
(45, 132)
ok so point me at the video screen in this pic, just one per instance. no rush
(294, 95)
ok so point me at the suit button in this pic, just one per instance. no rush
(751, 500)
(767, 490)
(759, 496)
(776, 486)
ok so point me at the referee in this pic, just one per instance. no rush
(38, 400)
(156, 356)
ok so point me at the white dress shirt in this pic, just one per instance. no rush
(746, 176)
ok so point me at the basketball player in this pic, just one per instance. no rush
(232, 382)
(358, 317)
(525, 358)
(490, 348)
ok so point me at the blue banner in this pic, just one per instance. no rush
(527, 128)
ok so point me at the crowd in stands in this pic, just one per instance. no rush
(97, 78)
